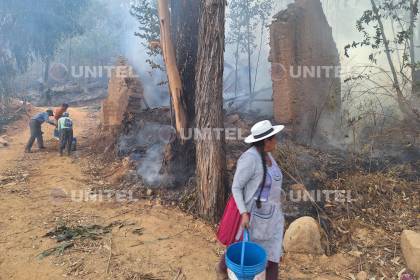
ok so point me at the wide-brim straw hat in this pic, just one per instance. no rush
(263, 130)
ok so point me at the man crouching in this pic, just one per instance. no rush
(65, 129)
(35, 128)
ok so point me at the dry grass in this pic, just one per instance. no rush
(370, 226)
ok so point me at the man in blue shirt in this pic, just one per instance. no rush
(35, 128)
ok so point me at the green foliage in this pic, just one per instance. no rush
(388, 28)
(243, 13)
(34, 29)
(104, 29)
(146, 13)
(395, 13)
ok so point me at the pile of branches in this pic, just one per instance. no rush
(67, 235)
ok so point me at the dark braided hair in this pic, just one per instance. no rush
(260, 148)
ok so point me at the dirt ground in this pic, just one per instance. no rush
(38, 199)
(41, 191)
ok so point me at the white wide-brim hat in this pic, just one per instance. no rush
(263, 130)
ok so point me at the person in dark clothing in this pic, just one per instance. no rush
(58, 113)
(35, 128)
(65, 128)
(48, 97)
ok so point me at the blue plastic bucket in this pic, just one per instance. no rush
(246, 259)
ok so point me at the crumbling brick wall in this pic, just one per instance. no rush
(307, 96)
(125, 96)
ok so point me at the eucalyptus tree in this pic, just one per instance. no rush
(146, 13)
(210, 154)
(388, 30)
(182, 30)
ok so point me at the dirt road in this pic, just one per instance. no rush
(41, 191)
(143, 240)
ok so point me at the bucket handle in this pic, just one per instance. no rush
(245, 239)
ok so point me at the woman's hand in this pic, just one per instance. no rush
(245, 220)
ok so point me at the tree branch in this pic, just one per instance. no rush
(174, 78)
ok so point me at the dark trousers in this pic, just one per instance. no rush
(36, 133)
(66, 139)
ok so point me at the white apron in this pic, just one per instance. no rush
(267, 223)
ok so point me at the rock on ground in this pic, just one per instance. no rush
(410, 246)
(362, 275)
(303, 236)
(3, 142)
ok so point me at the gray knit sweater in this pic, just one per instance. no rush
(247, 179)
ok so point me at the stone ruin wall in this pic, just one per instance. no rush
(300, 36)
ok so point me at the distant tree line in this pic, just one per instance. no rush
(32, 30)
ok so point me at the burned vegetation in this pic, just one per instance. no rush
(163, 94)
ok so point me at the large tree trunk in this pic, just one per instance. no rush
(211, 162)
(174, 79)
(184, 23)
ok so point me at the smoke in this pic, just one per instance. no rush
(153, 136)
(146, 145)
(136, 54)
(155, 94)
(342, 16)
(150, 165)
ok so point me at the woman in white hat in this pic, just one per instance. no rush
(257, 187)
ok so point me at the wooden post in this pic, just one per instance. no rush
(174, 78)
